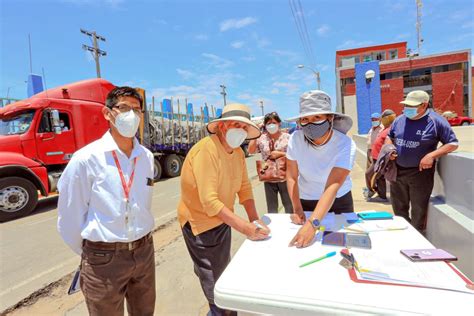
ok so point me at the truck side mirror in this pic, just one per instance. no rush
(55, 122)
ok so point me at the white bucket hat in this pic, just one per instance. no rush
(318, 102)
(236, 112)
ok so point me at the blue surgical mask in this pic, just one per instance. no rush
(410, 112)
(375, 123)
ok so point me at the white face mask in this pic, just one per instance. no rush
(272, 128)
(235, 137)
(127, 123)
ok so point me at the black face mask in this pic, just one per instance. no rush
(316, 130)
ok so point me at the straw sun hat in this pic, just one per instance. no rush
(236, 112)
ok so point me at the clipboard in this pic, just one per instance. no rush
(75, 283)
(353, 276)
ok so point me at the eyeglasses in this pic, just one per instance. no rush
(122, 107)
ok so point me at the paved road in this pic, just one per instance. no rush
(33, 255)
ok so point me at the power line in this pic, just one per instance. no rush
(305, 32)
(298, 16)
(299, 29)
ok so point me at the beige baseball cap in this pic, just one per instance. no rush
(416, 98)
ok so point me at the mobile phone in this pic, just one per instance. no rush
(420, 255)
(331, 238)
(358, 241)
(375, 215)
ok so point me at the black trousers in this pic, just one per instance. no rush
(271, 195)
(210, 252)
(412, 187)
(344, 204)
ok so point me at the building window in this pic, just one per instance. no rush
(367, 58)
(378, 56)
(393, 53)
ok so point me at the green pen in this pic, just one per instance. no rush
(330, 254)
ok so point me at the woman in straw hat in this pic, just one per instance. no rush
(320, 157)
(214, 172)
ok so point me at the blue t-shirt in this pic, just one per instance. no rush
(415, 138)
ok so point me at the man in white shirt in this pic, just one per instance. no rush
(105, 213)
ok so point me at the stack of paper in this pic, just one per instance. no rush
(397, 269)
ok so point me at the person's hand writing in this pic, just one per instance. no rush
(253, 232)
(298, 217)
(304, 237)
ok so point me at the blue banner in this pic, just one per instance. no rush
(35, 84)
(190, 111)
(167, 108)
(369, 99)
(206, 114)
(218, 112)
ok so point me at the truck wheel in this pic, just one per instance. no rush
(172, 166)
(465, 123)
(157, 170)
(18, 198)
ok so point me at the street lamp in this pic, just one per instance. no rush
(369, 75)
(316, 73)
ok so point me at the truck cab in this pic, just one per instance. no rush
(38, 137)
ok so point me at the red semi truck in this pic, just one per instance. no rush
(38, 136)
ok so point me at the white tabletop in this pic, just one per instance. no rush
(264, 277)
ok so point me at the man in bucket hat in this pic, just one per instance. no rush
(416, 135)
(214, 172)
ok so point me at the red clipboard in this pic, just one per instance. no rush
(353, 277)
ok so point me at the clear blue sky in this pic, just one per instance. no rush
(188, 48)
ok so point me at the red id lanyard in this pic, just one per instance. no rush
(126, 187)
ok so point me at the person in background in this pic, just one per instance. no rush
(214, 173)
(372, 135)
(320, 157)
(273, 138)
(63, 127)
(380, 185)
(104, 212)
(416, 135)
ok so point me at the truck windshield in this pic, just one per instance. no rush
(17, 124)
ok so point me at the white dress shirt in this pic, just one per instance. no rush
(91, 201)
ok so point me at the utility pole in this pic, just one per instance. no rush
(96, 52)
(223, 93)
(261, 106)
(31, 62)
(419, 5)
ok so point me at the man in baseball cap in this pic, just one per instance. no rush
(374, 131)
(416, 135)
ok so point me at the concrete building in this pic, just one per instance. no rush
(447, 77)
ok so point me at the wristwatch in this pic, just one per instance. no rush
(315, 223)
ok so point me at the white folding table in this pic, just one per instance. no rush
(264, 277)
